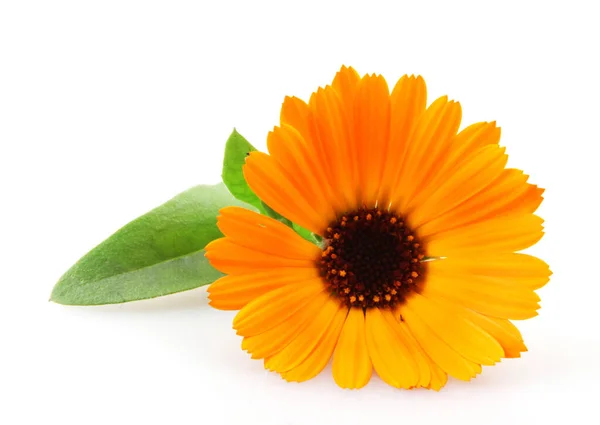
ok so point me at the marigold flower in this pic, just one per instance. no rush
(417, 276)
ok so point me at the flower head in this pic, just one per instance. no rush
(417, 275)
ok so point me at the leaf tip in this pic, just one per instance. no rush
(61, 291)
(53, 295)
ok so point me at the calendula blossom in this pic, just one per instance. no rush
(418, 274)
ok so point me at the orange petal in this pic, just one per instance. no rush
(427, 149)
(352, 367)
(295, 113)
(264, 234)
(502, 234)
(276, 188)
(334, 136)
(503, 290)
(470, 140)
(407, 101)
(405, 337)
(391, 359)
(307, 338)
(520, 270)
(489, 304)
(431, 375)
(274, 307)
(439, 378)
(231, 258)
(526, 202)
(319, 357)
(474, 176)
(233, 292)
(462, 336)
(509, 193)
(294, 155)
(502, 330)
(371, 130)
(346, 84)
(436, 348)
(279, 337)
(474, 137)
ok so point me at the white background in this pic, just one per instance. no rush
(109, 108)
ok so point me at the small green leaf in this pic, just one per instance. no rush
(236, 150)
(156, 254)
(318, 238)
(307, 234)
(274, 214)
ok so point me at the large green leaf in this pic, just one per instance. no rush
(157, 254)
(236, 150)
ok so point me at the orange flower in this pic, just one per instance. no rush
(417, 275)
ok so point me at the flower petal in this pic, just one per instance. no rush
(495, 285)
(346, 83)
(431, 376)
(405, 337)
(474, 176)
(371, 130)
(408, 101)
(510, 268)
(503, 234)
(509, 193)
(264, 234)
(295, 113)
(502, 330)
(462, 147)
(508, 304)
(334, 137)
(233, 292)
(392, 360)
(462, 336)
(427, 148)
(439, 377)
(352, 367)
(231, 258)
(319, 357)
(274, 307)
(294, 155)
(279, 337)
(277, 189)
(439, 351)
(307, 338)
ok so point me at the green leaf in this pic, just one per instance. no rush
(156, 254)
(236, 150)
(306, 234)
(274, 214)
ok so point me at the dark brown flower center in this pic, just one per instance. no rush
(371, 258)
